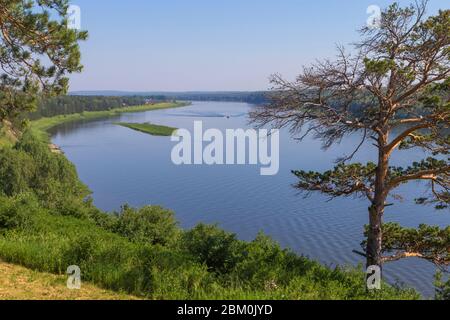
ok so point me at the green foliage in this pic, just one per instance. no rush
(16, 171)
(266, 266)
(343, 180)
(37, 51)
(150, 224)
(152, 129)
(427, 164)
(17, 212)
(379, 67)
(217, 249)
(31, 167)
(428, 242)
(437, 168)
(442, 287)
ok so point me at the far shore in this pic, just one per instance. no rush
(41, 126)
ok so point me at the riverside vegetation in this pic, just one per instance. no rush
(48, 222)
(149, 128)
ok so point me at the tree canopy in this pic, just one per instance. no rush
(37, 52)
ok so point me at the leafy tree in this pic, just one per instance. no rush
(37, 51)
(394, 89)
(30, 167)
(76, 104)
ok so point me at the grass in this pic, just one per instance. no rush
(41, 126)
(19, 283)
(112, 262)
(152, 129)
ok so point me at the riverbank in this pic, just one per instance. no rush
(41, 126)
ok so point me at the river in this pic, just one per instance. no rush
(124, 166)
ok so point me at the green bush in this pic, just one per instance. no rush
(17, 212)
(265, 264)
(31, 167)
(150, 224)
(217, 249)
(54, 179)
(17, 170)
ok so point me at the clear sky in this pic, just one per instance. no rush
(207, 45)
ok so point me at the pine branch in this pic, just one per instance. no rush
(427, 242)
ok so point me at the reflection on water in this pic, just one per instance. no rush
(124, 166)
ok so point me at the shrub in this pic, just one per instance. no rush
(17, 212)
(16, 171)
(266, 264)
(54, 179)
(31, 167)
(150, 224)
(219, 250)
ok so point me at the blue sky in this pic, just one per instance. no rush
(180, 45)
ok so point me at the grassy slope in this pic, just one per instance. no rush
(111, 261)
(19, 283)
(152, 129)
(42, 125)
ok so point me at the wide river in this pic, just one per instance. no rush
(124, 166)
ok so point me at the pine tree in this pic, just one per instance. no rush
(393, 90)
(37, 52)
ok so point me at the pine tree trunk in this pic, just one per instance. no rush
(376, 211)
(374, 241)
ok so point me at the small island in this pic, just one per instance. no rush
(152, 129)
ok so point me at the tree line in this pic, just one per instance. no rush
(48, 107)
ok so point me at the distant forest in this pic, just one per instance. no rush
(255, 97)
(248, 97)
(97, 101)
(77, 104)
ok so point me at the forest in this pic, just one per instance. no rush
(69, 104)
